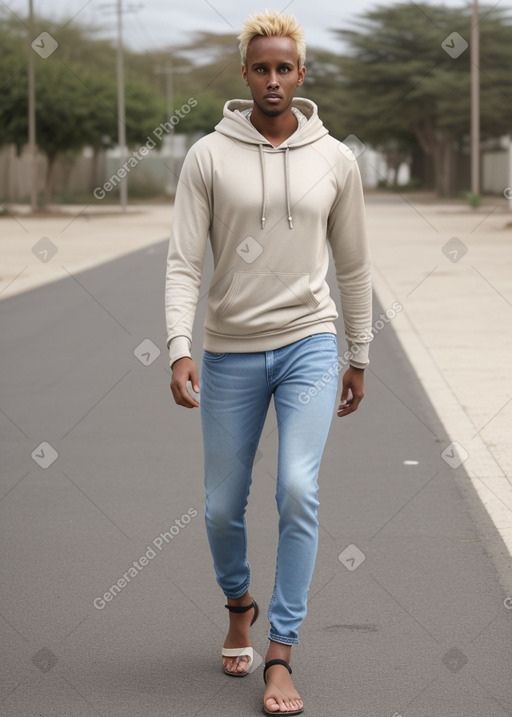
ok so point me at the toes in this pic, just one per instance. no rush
(236, 665)
(289, 705)
(277, 704)
(242, 664)
(272, 705)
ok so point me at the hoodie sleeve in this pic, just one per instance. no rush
(348, 240)
(187, 248)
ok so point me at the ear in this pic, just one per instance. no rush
(302, 74)
(244, 75)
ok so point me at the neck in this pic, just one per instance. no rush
(276, 129)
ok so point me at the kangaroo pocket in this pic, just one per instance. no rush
(264, 301)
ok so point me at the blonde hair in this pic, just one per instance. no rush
(272, 24)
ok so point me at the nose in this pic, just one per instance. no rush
(272, 81)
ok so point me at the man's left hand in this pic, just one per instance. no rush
(353, 391)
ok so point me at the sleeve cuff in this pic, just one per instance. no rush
(179, 347)
(358, 355)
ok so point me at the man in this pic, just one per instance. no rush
(272, 189)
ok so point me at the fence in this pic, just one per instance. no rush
(156, 174)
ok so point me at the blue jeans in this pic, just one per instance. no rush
(236, 389)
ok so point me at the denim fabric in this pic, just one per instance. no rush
(236, 389)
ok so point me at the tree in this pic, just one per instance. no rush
(208, 69)
(76, 100)
(398, 83)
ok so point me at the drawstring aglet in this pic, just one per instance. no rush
(290, 222)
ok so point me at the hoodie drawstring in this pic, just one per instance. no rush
(264, 201)
(287, 183)
(287, 186)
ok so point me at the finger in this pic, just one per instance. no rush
(345, 409)
(181, 395)
(189, 401)
(349, 406)
(186, 398)
(194, 378)
(346, 394)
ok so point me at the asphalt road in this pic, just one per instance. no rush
(102, 478)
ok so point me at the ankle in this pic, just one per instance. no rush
(241, 601)
(278, 651)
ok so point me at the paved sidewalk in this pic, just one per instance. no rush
(449, 267)
(40, 249)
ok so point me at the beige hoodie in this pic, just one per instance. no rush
(269, 213)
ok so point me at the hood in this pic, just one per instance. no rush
(235, 124)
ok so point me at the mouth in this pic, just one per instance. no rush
(273, 98)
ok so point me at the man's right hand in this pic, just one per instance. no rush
(184, 370)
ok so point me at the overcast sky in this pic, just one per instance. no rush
(150, 24)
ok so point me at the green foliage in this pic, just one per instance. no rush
(203, 117)
(395, 88)
(76, 99)
(398, 83)
(473, 199)
(208, 69)
(144, 111)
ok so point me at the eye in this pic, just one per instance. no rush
(285, 69)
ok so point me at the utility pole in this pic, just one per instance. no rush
(475, 100)
(509, 188)
(121, 113)
(167, 70)
(32, 110)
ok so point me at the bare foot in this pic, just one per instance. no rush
(238, 635)
(280, 694)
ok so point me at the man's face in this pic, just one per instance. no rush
(272, 73)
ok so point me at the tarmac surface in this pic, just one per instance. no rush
(109, 602)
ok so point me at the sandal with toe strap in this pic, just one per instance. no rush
(279, 712)
(241, 651)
